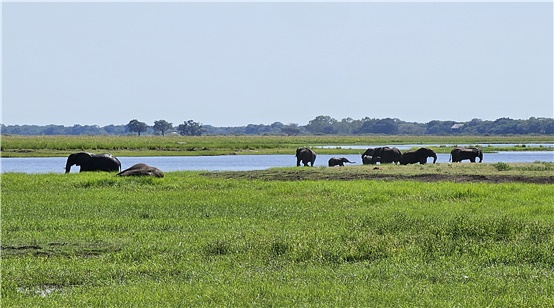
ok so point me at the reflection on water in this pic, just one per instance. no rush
(235, 162)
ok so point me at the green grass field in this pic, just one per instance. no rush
(270, 239)
(27, 146)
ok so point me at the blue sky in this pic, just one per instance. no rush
(232, 64)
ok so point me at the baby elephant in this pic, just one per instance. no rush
(335, 161)
(140, 170)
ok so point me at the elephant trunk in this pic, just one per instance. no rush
(68, 165)
(434, 155)
(71, 160)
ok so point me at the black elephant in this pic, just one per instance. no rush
(335, 161)
(306, 156)
(142, 170)
(460, 153)
(93, 162)
(370, 160)
(418, 156)
(386, 155)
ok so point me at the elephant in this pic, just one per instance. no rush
(460, 153)
(418, 156)
(370, 160)
(93, 162)
(335, 161)
(141, 170)
(386, 155)
(306, 155)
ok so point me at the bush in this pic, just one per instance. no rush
(502, 166)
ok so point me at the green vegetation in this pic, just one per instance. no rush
(137, 126)
(279, 237)
(320, 125)
(500, 166)
(27, 146)
(537, 172)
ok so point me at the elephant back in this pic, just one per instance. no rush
(389, 155)
(142, 169)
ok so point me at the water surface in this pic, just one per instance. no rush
(237, 162)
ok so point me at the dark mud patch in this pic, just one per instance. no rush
(24, 247)
(286, 175)
(480, 178)
(60, 249)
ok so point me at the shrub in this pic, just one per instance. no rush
(500, 166)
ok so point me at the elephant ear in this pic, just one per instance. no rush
(82, 158)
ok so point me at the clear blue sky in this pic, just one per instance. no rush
(232, 64)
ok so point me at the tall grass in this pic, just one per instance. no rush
(93, 239)
(216, 145)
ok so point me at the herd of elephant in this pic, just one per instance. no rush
(110, 163)
(393, 155)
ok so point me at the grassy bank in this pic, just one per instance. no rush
(537, 172)
(27, 146)
(190, 239)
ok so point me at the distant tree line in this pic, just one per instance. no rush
(321, 125)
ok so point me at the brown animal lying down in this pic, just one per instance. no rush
(140, 170)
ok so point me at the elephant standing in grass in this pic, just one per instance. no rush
(418, 156)
(306, 156)
(93, 162)
(385, 154)
(335, 161)
(460, 153)
(142, 170)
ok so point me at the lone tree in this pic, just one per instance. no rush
(162, 126)
(322, 125)
(190, 128)
(136, 126)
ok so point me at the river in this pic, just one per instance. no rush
(237, 162)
